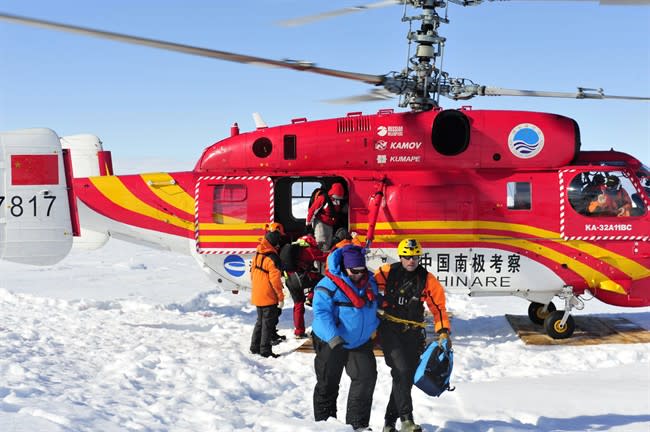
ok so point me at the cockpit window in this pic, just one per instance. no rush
(606, 194)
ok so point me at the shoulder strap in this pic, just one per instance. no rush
(349, 292)
(272, 256)
(328, 200)
(259, 266)
(393, 273)
(422, 279)
(325, 290)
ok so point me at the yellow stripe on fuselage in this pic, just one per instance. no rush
(232, 227)
(115, 191)
(165, 188)
(230, 238)
(630, 267)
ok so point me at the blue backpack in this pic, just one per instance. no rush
(434, 371)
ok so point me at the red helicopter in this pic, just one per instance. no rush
(503, 202)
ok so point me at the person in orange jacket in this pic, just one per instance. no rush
(325, 213)
(266, 293)
(284, 239)
(613, 200)
(405, 287)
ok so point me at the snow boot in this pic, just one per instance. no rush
(409, 426)
(389, 427)
(270, 354)
(277, 339)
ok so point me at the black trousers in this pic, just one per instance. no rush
(361, 367)
(267, 319)
(401, 352)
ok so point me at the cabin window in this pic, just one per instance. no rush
(229, 203)
(300, 195)
(519, 196)
(290, 152)
(605, 194)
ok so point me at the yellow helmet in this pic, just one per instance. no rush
(409, 247)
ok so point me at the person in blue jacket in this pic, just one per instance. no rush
(345, 320)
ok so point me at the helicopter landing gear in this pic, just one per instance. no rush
(556, 329)
(537, 312)
(560, 324)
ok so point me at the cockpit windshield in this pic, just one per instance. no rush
(608, 193)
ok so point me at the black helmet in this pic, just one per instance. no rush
(341, 234)
(273, 237)
(612, 181)
(599, 179)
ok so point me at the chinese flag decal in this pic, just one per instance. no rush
(34, 169)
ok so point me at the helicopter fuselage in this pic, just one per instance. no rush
(495, 197)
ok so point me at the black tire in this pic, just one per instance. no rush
(536, 312)
(553, 328)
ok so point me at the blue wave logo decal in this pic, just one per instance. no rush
(526, 140)
(234, 265)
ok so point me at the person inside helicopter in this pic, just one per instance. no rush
(325, 213)
(594, 187)
(612, 200)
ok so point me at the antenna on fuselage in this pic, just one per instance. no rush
(259, 122)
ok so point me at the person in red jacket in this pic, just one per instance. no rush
(325, 213)
(303, 279)
(266, 293)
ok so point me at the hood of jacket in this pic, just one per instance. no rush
(265, 247)
(335, 264)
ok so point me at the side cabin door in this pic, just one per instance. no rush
(292, 198)
(231, 213)
(602, 203)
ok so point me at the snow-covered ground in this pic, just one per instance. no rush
(131, 339)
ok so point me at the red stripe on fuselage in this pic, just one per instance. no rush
(101, 204)
(139, 188)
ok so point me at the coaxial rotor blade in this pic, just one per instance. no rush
(602, 2)
(302, 66)
(582, 93)
(374, 95)
(334, 13)
(294, 22)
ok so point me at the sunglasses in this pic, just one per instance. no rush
(357, 271)
(410, 258)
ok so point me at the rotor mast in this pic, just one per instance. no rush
(428, 50)
(418, 83)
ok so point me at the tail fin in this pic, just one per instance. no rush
(88, 159)
(35, 200)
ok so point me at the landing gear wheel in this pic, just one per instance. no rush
(537, 314)
(553, 327)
